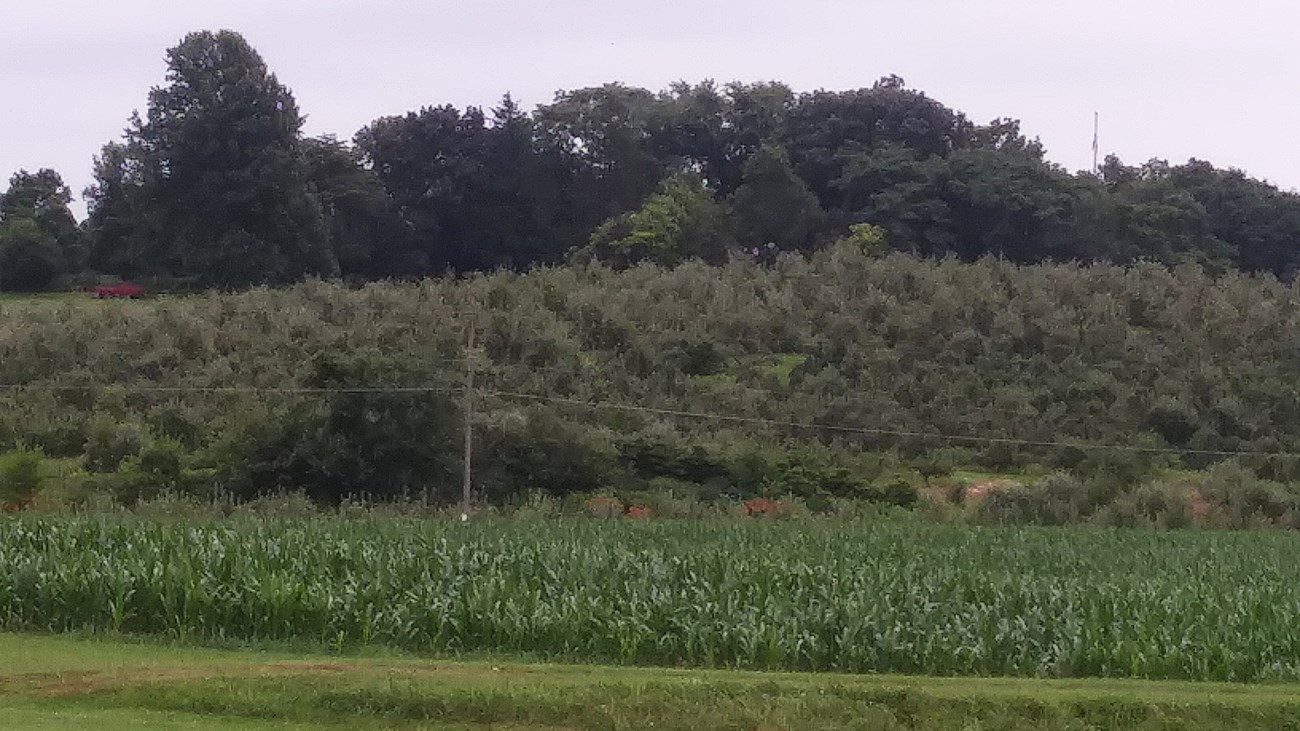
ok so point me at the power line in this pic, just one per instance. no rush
(676, 413)
(867, 431)
(270, 390)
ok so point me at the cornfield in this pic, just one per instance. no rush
(885, 597)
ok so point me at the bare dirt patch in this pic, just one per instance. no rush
(979, 491)
(68, 684)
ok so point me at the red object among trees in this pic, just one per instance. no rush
(761, 506)
(638, 511)
(124, 290)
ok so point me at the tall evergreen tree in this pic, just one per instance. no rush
(222, 196)
(524, 211)
(367, 235)
(113, 203)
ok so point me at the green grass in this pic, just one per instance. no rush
(42, 298)
(890, 596)
(74, 303)
(66, 682)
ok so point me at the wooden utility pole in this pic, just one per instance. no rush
(469, 420)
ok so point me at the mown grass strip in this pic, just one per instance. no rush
(80, 680)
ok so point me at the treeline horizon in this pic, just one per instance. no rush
(214, 185)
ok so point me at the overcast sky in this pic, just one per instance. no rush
(1173, 79)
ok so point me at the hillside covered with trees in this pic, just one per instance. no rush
(214, 185)
(840, 375)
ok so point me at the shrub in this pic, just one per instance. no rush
(603, 506)
(535, 450)
(666, 497)
(895, 489)
(109, 442)
(943, 461)
(29, 259)
(663, 453)
(284, 506)
(1159, 504)
(383, 445)
(1246, 500)
(1168, 506)
(1055, 500)
(22, 475)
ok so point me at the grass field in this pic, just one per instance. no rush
(890, 596)
(73, 683)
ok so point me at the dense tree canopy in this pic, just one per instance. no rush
(367, 235)
(39, 238)
(680, 221)
(214, 184)
(213, 176)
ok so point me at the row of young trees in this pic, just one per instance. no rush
(216, 185)
(836, 374)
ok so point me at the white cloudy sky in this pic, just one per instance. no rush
(1171, 78)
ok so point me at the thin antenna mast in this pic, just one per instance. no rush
(1096, 143)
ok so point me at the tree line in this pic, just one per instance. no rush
(215, 186)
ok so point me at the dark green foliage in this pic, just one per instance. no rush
(1058, 499)
(772, 205)
(379, 445)
(679, 222)
(39, 238)
(215, 187)
(535, 451)
(157, 469)
(21, 477)
(606, 136)
(367, 236)
(1160, 504)
(115, 222)
(29, 260)
(826, 127)
(1256, 219)
(211, 185)
(479, 194)
(1248, 501)
(1151, 216)
(109, 442)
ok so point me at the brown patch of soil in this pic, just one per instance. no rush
(67, 684)
(978, 491)
(1202, 508)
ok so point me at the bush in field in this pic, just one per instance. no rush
(533, 450)
(1057, 499)
(382, 446)
(346, 443)
(158, 469)
(1160, 504)
(109, 442)
(1245, 500)
(21, 477)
